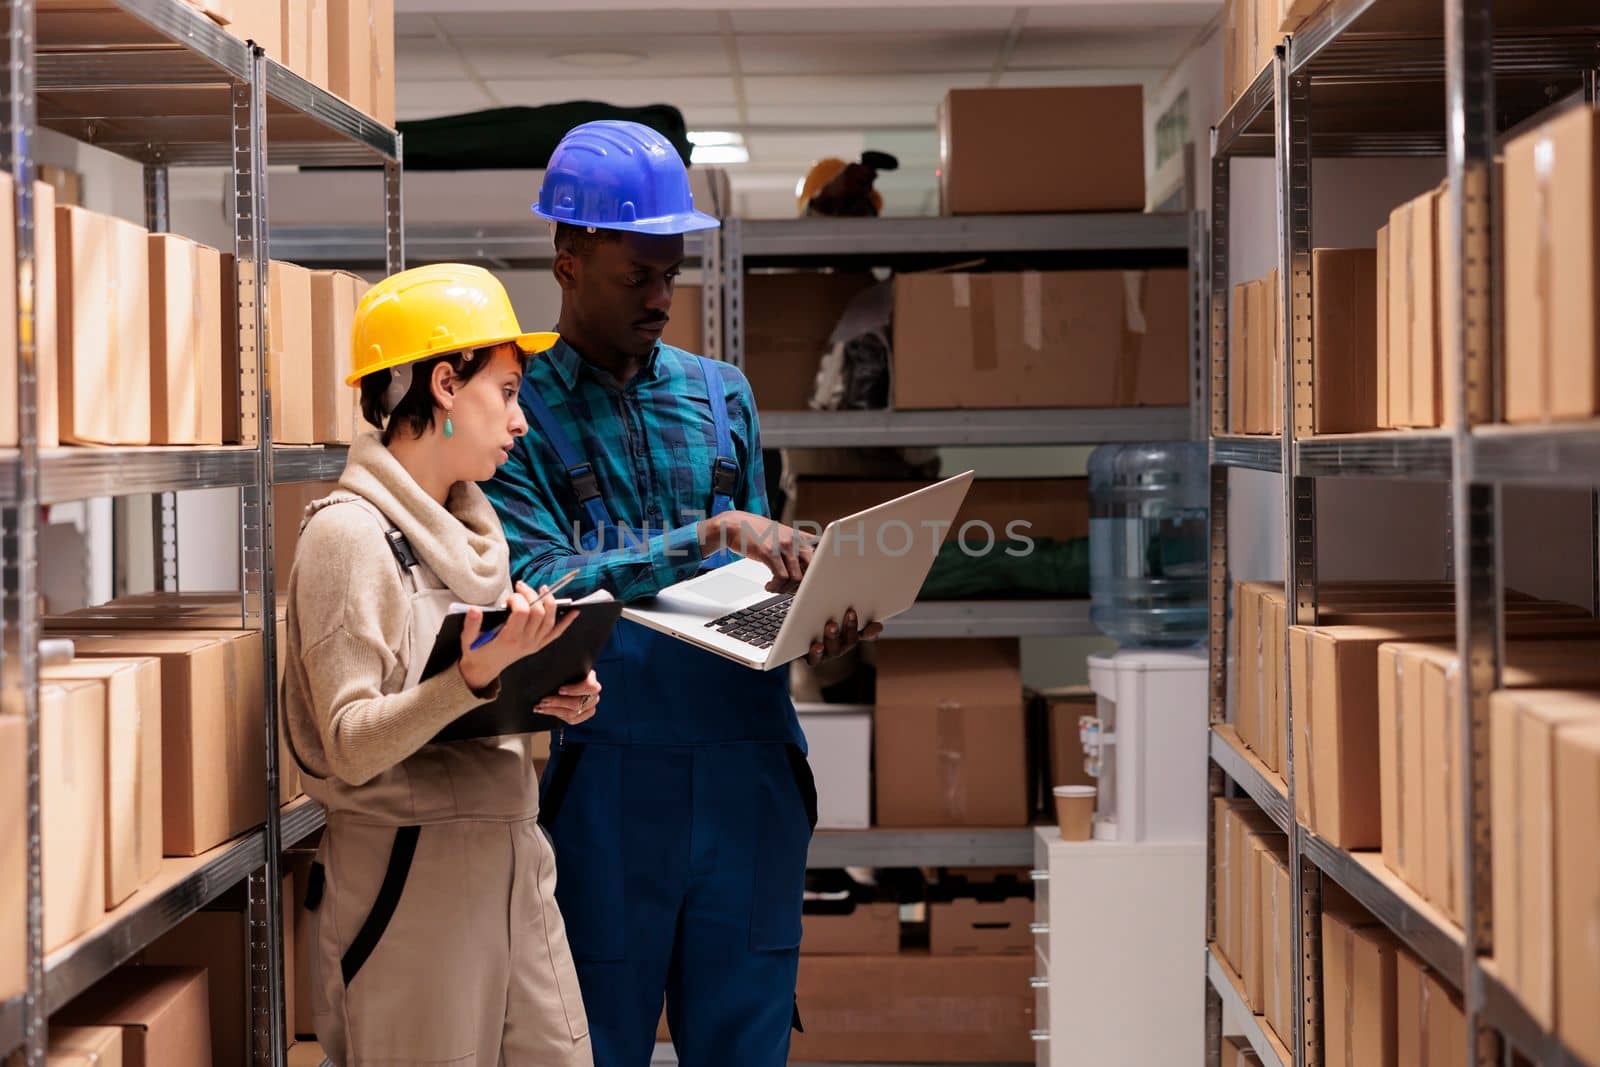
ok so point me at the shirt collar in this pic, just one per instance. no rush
(569, 365)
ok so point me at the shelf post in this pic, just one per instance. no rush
(19, 530)
(394, 222)
(163, 506)
(265, 907)
(733, 292)
(712, 285)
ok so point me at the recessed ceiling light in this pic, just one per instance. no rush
(719, 154)
(715, 137)
(594, 57)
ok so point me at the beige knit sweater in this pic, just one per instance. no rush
(348, 613)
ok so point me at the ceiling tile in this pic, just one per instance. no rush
(421, 100)
(630, 24)
(804, 148)
(664, 56)
(853, 117)
(1038, 49)
(426, 60)
(867, 53)
(1045, 79)
(875, 20)
(1124, 14)
(926, 89)
(683, 93)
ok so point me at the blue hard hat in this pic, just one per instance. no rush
(612, 175)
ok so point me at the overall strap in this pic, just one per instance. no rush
(580, 472)
(725, 468)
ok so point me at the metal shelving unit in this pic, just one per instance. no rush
(1250, 775)
(158, 83)
(921, 848)
(1226, 987)
(994, 618)
(915, 429)
(1331, 91)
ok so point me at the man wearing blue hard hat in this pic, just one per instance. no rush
(681, 818)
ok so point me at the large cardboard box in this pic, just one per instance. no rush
(1239, 821)
(213, 774)
(1258, 899)
(334, 295)
(1427, 335)
(261, 21)
(1265, 356)
(871, 928)
(1430, 1023)
(306, 1054)
(1065, 764)
(1278, 969)
(1577, 871)
(839, 749)
(984, 132)
(219, 943)
(1343, 322)
(1040, 339)
(1524, 727)
(380, 26)
(1239, 334)
(290, 368)
(949, 734)
(350, 59)
(967, 927)
(1235, 1053)
(913, 1007)
(1382, 418)
(185, 342)
(103, 328)
(72, 798)
(1358, 989)
(789, 321)
(1552, 282)
(95, 1046)
(46, 402)
(1401, 270)
(13, 856)
(131, 696)
(163, 1013)
(1013, 508)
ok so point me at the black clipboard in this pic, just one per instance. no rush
(529, 680)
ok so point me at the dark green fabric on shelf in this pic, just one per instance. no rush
(1053, 570)
(522, 138)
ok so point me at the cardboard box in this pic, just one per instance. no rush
(318, 56)
(983, 132)
(1248, 665)
(1040, 339)
(84, 1046)
(1430, 1024)
(1265, 376)
(1382, 418)
(1577, 874)
(1552, 285)
(933, 1009)
(380, 26)
(1402, 285)
(1064, 707)
(1274, 639)
(163, 1013)
(295, 20)
(871, 928)
(291, 369)
(1239, 334)
(261, 21)
(306, 1054)
(131, 696)
(72, 798)
(1237, 1054)
(789, 323)
(13, 856)
(213, 774)
(1425, 354)
(1343, 322)
(967, 927)
(949, 734)
(1013, 508)
(218, 942)
(1525, 726)
(1235, 817)
(334, 295)
(185, 342)
(350, 59)
(1278, 968)
(103, 328)
(46, 402)
(1258, 901)
(289, 503)
(839, 749)
(1358, 990)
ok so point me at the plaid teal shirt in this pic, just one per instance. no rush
(652, 444)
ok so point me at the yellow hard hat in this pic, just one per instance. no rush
(429, 311)
(817, 178)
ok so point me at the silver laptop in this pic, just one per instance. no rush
(874, 561)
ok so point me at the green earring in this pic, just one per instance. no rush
(449, 427)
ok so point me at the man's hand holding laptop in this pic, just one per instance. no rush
(787, 553)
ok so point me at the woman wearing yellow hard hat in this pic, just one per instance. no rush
(436, 937)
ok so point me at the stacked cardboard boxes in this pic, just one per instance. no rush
(1359, 974)
(161, 1013)
(13, 855)
(1255, 358)
(1411, 393)
(344, 46)
(1254, 934)
(1552, 286)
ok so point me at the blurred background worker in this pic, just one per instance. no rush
(845, 190)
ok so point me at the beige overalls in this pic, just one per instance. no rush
(437, 935)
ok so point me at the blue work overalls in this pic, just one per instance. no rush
(681, 815)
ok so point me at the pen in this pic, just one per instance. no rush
(486, 637)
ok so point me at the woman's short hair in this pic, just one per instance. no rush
(415, 412)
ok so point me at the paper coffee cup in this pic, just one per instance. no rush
(1075, 811)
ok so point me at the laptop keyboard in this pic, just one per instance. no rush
(758, 624)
